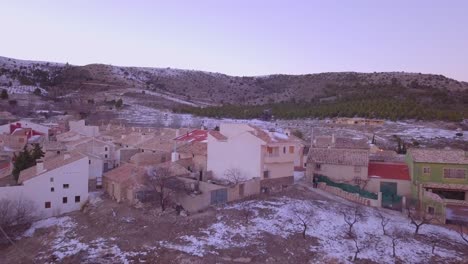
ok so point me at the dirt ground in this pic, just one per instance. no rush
(108, 232)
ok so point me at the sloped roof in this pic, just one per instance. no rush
(217, 135)
(353, 157)
(386, 170)
(194, 135)
(195, 147)
(451, 156)
(49, 165)
(340, 143)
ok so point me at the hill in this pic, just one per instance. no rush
(406, 95)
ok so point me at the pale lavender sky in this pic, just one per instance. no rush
(243, 37)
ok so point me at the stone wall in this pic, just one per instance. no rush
(353, 197)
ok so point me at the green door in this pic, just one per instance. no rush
(390, 198)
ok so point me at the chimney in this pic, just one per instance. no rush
(177, 132)
(333, 138)
(39, 166)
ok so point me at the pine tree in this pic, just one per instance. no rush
(4, 94)
(37, 152)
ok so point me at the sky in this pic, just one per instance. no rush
(243, 37)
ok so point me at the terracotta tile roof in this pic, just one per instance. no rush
(194, 135)
(386, 170)
(146, 159)
(455, 156)
(387, 156)
(353, 157)
(195, 147)
(340, 142)
(126, 172)
(217, 135)
(157, 144)
(49, 165)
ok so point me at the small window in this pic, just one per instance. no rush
(430, 210)
(318, 166)
(89, 161)
(58, 152)
(284, 150)
(64, 200)
(52, 189)
(66, 186)
(266, 174)
(270, 150)
(426, 170)
(105, 156)
(77, 199)
(47, 205)
(291, 149)
(105, 149)
(51, 179)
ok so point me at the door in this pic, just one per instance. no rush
(219, 196)
(390, 198)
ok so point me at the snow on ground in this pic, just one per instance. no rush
(22, 89)
(327, 225)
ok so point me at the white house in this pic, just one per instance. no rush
(253, 153)
(6, 129)
(55, 186)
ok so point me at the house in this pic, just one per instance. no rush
(81, 128)
(195, 151)
(439, 180)
(248, 152)
(34, 129)
(127, 182)
(340, 159)
(389, 178)
(54, 186)
(101, 156)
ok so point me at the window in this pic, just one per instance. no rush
(66, 186)
(291, 149)
(454, 173)
(47, 205)
(77, 199)
(318, 166)
(64, 200)
(430, 210)
(266, 174)
(357, 169)
(89, 161)
(426, 170)
(284, 150)
(105, 149)
(105, 156)
(51, 179)
(58, 152)
(270, 150)
(52, 189)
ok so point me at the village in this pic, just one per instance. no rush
(50, 170)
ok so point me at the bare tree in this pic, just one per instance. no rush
(462, 232)
(418, 218)
(351, 216)
(304, 213)
(383, 222)
(234, 176)
(355, 238)
(16, 212)
(164, 184)
(396, 235)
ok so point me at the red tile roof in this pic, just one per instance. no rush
(385, 170)
(194, 135)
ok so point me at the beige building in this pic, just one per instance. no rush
(252, 153)
(340, 159)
